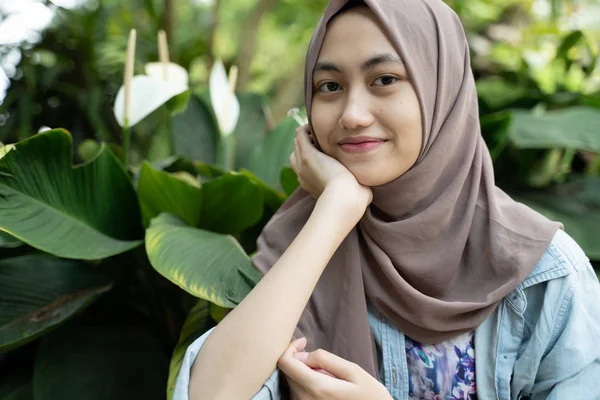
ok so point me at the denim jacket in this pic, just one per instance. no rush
(541, 342)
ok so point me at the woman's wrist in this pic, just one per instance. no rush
(343, 208)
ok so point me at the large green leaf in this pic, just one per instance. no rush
(87, 212)
(162, 192)
(205, 264)
(576, 205)
(573, 128)
(195, 133)
(230, 204)
(289, 180)
(197, 323)
(99, 363)
(38, 292)
(251, 127)
(9, 241)
(273, 154)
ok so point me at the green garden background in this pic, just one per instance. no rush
(124, 235)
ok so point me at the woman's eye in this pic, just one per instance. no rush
(329, 87)
(385, 81)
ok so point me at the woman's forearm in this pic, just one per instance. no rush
(243, 350)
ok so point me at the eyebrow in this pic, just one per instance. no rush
(370, 63)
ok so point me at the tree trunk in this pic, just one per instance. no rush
(214, 24)
(248, 41)
(289, 92)
(168, 17)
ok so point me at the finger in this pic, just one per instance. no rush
(302, 135)
(301, 373)
(339, 367)
(293, 162)
(298, 345)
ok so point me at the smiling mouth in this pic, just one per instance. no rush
(362, 146)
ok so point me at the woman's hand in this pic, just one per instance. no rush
(317, 172)
(323, 375)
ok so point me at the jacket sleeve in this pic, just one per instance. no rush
(269, 391)
(570, 368)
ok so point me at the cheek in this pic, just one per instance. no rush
(409, 130)
(324, 122)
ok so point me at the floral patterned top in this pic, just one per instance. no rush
(444, 371)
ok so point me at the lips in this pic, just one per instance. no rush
(361, 144)
(360, 139)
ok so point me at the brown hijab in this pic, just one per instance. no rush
(441, 245)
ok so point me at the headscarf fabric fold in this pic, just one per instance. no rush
(441, 245)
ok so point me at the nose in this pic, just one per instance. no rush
(356, 113)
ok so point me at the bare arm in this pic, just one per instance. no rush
(243, 350)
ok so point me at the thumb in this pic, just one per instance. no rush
(339, 367)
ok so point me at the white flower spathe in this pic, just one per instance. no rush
(222, 97)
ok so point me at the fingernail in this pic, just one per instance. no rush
(301, 355)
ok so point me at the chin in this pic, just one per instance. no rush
(371, 178)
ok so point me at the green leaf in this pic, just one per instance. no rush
(577, 205)
(160, 192)
(230, 204)
(195, 132)
(207, 265)
(87, 212)
(8, 241)
(272, 198)
(196, 324)
(38, 292)
(569, 41)
(289, 180)
(178, 104)
(497, 92)
(209, 171)
(99, 363)
(88, 149)
(273, 154)
(250, 129)
(176, 164)
(573, 128)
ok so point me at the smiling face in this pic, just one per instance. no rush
(365, 112)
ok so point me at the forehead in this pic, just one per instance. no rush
(354, 35)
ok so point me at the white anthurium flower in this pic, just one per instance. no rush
(170, 72)
(163, 81)
(222, 96)
(147, 94)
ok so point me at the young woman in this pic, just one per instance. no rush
(399, 268)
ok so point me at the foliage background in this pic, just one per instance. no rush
(538, 74)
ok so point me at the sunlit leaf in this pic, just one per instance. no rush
(205, 264)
